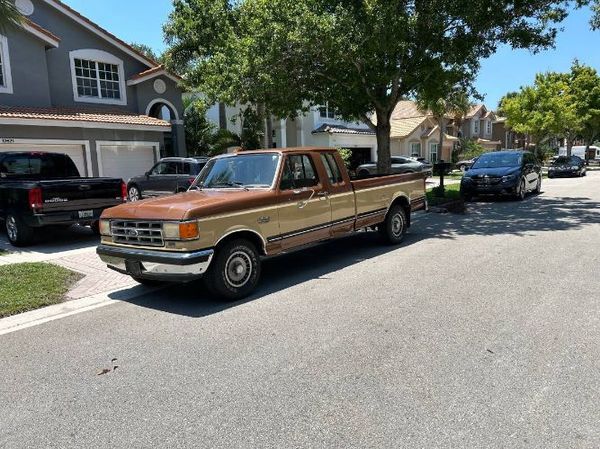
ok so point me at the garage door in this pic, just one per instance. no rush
(126, 161)
(75, 152)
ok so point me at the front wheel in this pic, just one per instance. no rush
(521, 190)
(538, 187)
(18, 233)
(395, 225)
(235, 270)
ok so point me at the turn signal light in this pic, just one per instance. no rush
(188, 230)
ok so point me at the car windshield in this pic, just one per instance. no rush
(564, 160)
(239, 171)
(497, 160)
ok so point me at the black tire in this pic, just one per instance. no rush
(521, 191)
(363, 174)
(235, 270)
(538, 187)
(95, 227)
(395, 225)
(134, 193)
(18, 233)
(467, 197)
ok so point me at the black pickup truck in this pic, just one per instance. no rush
(45, 189)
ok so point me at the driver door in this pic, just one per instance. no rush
(304, 205)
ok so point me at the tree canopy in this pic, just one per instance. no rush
(360, 55)
(563, 105)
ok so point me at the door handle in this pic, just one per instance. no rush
(303, 204)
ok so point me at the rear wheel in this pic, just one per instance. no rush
(18, 233)
(395, 225)
(134, 193)
(235, 270)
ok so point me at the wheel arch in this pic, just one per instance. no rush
(403, 202)
(248, 234)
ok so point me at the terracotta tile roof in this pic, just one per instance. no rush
(407, 109)
(153, 71)
(474, 109)
(40, 29)
(80, 115)
(340, 129)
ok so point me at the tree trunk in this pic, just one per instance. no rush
(383, 131)
(442, 126)
(222, 116)
(569, 146)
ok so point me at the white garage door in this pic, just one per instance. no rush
(75, 152)
(126, 161)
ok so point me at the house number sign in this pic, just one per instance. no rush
(6, 140)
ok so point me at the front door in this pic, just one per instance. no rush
(304, 207)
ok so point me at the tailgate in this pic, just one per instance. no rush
(80, 193)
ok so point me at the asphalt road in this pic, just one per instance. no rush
(481, 331)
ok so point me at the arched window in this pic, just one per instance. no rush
(98, 77)
(162, 109)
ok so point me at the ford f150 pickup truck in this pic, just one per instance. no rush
(251, 204)
(41, 189)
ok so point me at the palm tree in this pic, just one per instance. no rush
(9, 15)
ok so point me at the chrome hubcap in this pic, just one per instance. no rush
(238, 269)
(134, 195)
(11, 228)
(397, 225)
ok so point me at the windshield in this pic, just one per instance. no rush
(239, 171)
(497, 160)
(563, 160)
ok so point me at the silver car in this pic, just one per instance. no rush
(399, 165)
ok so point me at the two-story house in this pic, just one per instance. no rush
(478, 125)
(69, 86)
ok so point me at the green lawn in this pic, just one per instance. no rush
(28, 286)
(451, 192)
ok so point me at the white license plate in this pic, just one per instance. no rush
(86, 214)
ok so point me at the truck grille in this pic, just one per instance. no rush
(141, 233)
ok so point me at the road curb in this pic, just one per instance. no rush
(57, 311)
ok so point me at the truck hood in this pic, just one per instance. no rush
(192, 205)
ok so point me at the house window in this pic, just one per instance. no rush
(433, 152)
(5, 75)
(488, 127)
(476, 126)
(328, 111)
(97, 77)
(415, 149)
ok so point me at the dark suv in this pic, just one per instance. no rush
(503, 173)
(169, 175)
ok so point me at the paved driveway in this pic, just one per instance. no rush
(482, 331)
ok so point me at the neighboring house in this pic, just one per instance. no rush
(478, 125)
(502, 133)
(320, 127)
(69, 86)
(416, 134)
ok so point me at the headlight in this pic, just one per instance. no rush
(551, 168)
(574, 167)
(185, 230)
(508, 178)
(105, 227)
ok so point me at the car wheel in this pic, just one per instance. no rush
(395, 225)
(134, 193)
(95, 227)
(235, 270)
(363, 173)
(521, 190)
(538, 187)
(462, 168)
(18, 233)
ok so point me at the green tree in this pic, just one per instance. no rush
(362, 56)
(9, 15)
(585, 88)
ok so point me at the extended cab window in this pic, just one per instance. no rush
(298, 172)
(49, 166)
(331, 166)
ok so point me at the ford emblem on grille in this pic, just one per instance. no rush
(132, 232)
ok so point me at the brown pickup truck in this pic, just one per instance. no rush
(251, 204)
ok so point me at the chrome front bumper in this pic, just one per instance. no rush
(159, 265)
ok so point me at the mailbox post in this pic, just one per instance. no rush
(441, 168)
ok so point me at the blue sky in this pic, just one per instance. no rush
(141, 21)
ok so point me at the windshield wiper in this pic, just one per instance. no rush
(230, 184)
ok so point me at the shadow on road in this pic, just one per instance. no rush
(535, 214)
(50, 240)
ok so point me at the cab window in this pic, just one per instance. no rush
(332, 168)
(298, 172)
(165, 168)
